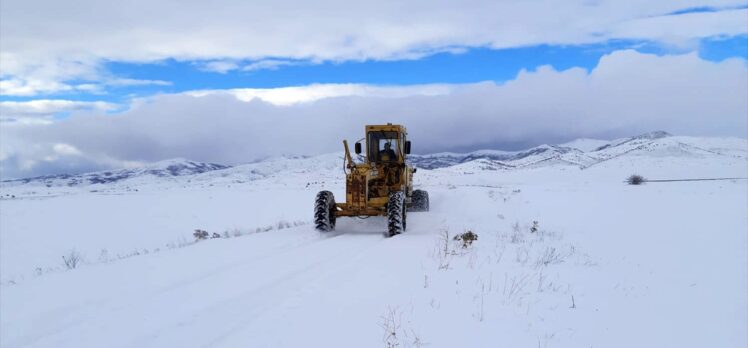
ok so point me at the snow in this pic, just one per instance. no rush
(585, 144)
(612, 265)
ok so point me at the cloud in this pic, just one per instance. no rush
(29, 74)
(23, 87)
(267, 64)
(42, 110)
(219, 66)
(684, 28)
(627, 93)
(33, 87)
(66, 149)
(311, 93)
(226, 65)
(79, 35)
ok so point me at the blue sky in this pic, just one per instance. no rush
(468, 66)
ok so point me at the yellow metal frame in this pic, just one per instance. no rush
(373, 176)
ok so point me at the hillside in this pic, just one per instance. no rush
(567, 254)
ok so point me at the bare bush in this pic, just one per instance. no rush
(522, 254)
(544, 285)
(514, 288)
(180, 242)
(394, 335)
(480, 299)
(516, 237)
(104, 256)
(552, 256)
(466, 238)
(443, 251)
(391, 325)
(635, 179)
(200, 234)
(552, 235)
(73, 259)
(543, 342)
(498, 254)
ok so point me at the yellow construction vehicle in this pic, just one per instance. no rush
(381, 185)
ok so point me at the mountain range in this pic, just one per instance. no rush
(581, 153)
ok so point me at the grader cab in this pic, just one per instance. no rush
(381, 185)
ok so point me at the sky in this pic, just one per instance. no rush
(90, 85)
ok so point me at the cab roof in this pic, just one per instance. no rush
(386, 128)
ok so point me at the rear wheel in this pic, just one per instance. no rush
(396, 216)
(419, 201)
(324, 211)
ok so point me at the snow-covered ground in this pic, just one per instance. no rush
(609, 264)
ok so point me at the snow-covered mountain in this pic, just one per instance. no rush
(584, 153)
(162, 169)
(585, 144)
(571, 154)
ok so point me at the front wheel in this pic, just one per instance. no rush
(396, 216)
(419, 201)
(324, 211)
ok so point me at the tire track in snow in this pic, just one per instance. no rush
(290, 283)
(282, 249)
(241, 307)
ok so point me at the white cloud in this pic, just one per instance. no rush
(219, 66)
(32, 86)
(267, 64)
(40, 111)
(25, 87)
(41, 72)
(311, 93)
(78, 35)
(223, 66)
(627, 93)
(66, 149)
(679, 29)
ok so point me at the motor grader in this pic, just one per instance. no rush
(380, 185)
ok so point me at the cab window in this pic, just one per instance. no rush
(383, 146)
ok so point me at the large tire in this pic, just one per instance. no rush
(396, 217)
(324, 212)
(419, 201)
